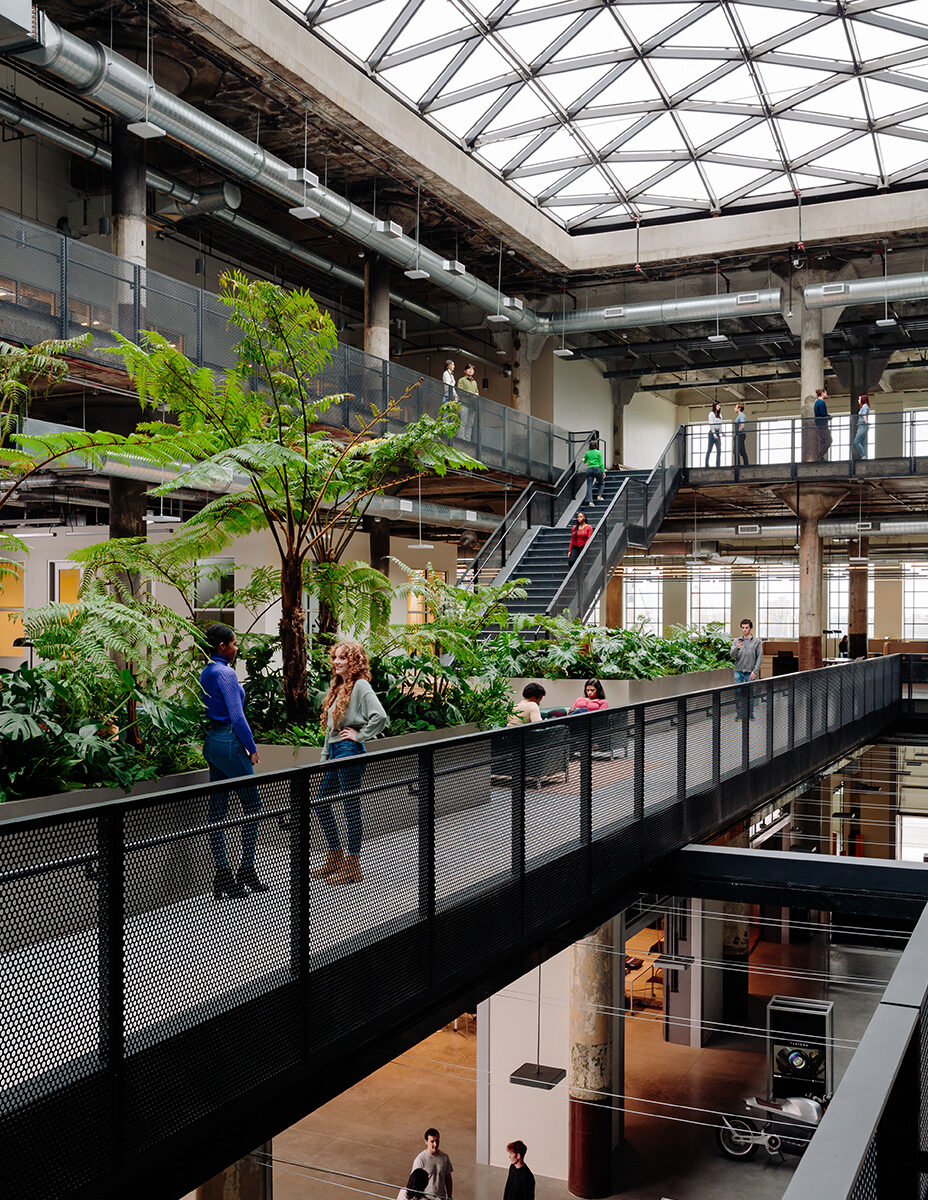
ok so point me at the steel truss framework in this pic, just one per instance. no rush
(605, 114)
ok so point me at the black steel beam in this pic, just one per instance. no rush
(892, 889)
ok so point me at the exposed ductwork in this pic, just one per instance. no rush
(844, 293)
(130, 92)
(18, 115)
(224, 197)
(780, 530)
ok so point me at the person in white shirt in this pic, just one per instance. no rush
(528, 710)
(715, 434)
(448, 379)
(437, 1166)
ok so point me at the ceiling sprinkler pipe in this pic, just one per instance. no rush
(126, 89)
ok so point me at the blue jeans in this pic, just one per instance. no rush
(228, 759)
(594, 482)
(747, 704)
(860, 441)
(342, 779)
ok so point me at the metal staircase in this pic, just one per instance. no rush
(531, 542)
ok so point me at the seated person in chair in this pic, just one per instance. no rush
(528, 710)
(593, 698)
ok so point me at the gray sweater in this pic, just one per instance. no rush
(749, 655)
(364, 713)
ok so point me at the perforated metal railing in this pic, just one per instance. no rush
(54, 286)
(148, 1028)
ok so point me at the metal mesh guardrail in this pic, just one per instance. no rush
(139, 1011)
(53, 286)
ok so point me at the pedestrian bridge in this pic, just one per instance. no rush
(151, 1035)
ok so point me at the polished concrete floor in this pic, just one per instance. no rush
(363, 1142)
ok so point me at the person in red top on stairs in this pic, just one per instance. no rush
(579, 536)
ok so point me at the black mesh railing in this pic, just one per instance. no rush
(54, 286)
(137, 1009)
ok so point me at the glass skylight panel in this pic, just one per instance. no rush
(525, 105)
(912, 10)
(433, 18)
(702, 127)
(828, 43)
(631, 174)
(683, 184)
(459, 118)
(645, 20)
(842, 100)
(413, 78)
(781, 82)
(916, 122)
(661, 134)
(761, 22)
(602, 35)
(536, 184)
(568, 86)
(757, 142)
(780, 185)
(528, 41)
(499, 154)
(601, 131)
(803, 137)
(360, 31)
(887, 99)
(898, 153)
(816, 183)
(590, 183)
(736, 87)
(875, 41)
(725, 179)
(678, 73)
(561, 144)
(709, 32)
(632, 87)
(857, 156)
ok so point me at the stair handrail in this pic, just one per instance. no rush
(601, 528)
(522, 502)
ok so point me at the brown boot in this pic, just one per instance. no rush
(348, 872)
(334, 861)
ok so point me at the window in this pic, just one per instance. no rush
(836, 582)
(644, 599)
(778, 606)
(915, 601)
(775, 442)
(709, 599)
(915, 429)
(215, 580)
(11, 610)
(64, 583)
(417, 612)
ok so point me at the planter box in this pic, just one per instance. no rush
(561, 693)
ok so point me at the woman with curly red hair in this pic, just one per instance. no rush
(351, 713)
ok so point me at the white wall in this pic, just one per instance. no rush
(506, 1037)
(582, 400)
(649, 424)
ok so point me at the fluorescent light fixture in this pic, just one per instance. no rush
(417, 273)
(563, 352)
(419, 546)
(501, 353)
(390, 229)
(145, 129)
(886, 321)
(453, 267)
(497, 319)
(303, 212)
(718, 337)
(162, 519)
(303, 175)
(857, 559)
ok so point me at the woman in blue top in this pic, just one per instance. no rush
(230, 751)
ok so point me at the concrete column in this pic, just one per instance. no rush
(130, 228)
(378, 529)
(811, 505)
(590, 1080)
(247, 1179)
(857, 601)
(377, 306)
(615, 600)
(812, 366)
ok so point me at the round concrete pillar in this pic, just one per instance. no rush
(812, 366)
(857, 601)
(591, 1054)
(377, 306)
(130, 197)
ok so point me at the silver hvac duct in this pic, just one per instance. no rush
(13, 113)
(778, 530)
(126, 89)
(223, 197)
(877, 290)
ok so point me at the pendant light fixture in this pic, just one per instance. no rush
(499, 318)
(416, 272)
(717, 336)
(562, 350)
(147, 129)
(886, 319)
(304, 212)
(420, 545)
(534, 1074)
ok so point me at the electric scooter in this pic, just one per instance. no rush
(780, 1126)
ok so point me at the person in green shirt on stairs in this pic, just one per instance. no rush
(595, 471)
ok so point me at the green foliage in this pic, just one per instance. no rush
(45, 747)
(357, 594)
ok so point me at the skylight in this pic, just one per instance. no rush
(654, 107)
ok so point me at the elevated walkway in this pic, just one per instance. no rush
(151, 1035)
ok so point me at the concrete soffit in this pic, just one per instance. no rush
(261, 32)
